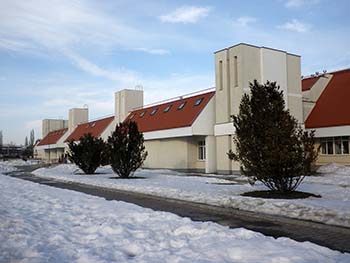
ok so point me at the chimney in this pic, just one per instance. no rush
(127, 100)
(77, 116)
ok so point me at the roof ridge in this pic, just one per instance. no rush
(173, 100)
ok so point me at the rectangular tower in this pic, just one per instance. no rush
(127, 100)
(235, 68)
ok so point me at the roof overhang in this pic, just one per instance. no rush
(331, 131)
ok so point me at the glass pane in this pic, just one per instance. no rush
(345, 147)
(329, 147)
(337, 145)
(324, 148)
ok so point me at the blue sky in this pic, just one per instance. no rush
(55, 55)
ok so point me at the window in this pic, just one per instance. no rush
(235, 76)
(153, 111)
(199, 101)
(181, 105)
(330, 146)
(335, 145)
(93, 124)
(324, 146)
(132, 116)
(142, 114)
(201, 150)
(345, 144)
(167, 108)
(221, 76)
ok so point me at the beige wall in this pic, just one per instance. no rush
(52, 155)
(125, 101)
(224, 164)
(174, 153)
(77, 116)
(235, 68)
(52, 125)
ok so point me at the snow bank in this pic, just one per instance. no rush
(45, 224)
(332, 208)
(334, 168)
(9, 166)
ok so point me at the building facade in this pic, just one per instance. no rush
(327, 111)
(194, 132)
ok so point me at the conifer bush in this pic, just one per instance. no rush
(270, 145)
(126, 148)
(88, 153)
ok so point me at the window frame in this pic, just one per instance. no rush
(182, 105)
(201, 151)
(142, 114)
(198, 101)
(154, 111)
(168, 108)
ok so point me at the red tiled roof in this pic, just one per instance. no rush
(95, 128)
(52, 137)
(332, 107)
(306, 84)
(174, 117)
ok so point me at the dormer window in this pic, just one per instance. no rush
(142, 114)
(93, 124)
(167, 108)
(199, 101)
(181, 105)
(132, 116)
(153, 111)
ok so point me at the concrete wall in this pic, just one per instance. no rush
(174, 153)
(167, 153)
(235, 68)
(127, 100)
(49, 125)
(77, 116)
(52, 155)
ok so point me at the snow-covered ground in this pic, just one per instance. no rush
(332, 208)
(9, 166)
(39, 223)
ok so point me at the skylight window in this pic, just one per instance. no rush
(167, 108)
(181, 105)
(154, 111)
(199, 101)
(142, 114)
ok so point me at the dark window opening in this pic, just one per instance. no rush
(181, 105)
(167, 108)
(154, 111)
(199, 101)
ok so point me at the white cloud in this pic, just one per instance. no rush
(295, 25)
(244, 21)
(121, 75)
(299, 3)
(152, 51)
(186, 14)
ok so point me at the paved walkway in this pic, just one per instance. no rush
(334, 237)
